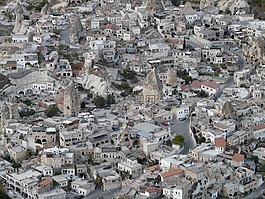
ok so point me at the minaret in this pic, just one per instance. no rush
(13, 108)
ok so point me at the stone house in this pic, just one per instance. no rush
(131, 166)
(82, 187)
(171, 176)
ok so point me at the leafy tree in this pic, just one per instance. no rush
(202, 94)
(125, 86)
(16, 165)
(3, 195)
(169, 143)
(99, 101)
(243, 86)
(56, 31)
(83, 105)
(110, 99)
(27, 102)
(188, 79)
(52, 111)
(174, 92)
(179, 140)
(255, 159)
(27, 113)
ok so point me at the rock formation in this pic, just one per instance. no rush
(19, 18)
(76, 30)
(72, 102)
(5, 115)
(232, 5)
(46, 9)
(156, 5)
(228, 111)
(152, 88)
(254, 52)
(13, 108)
(95, 79)
(171, 77)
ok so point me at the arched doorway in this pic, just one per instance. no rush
(38, 141)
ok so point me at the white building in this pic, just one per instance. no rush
(182, 112)
(27, 60)
(131, 166)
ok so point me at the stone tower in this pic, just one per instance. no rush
(88, 61)
(13, 108)
(171, 77)
(5, 115)
(152, 88)
(72, 102)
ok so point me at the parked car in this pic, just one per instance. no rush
(182, 119)
(165, 123)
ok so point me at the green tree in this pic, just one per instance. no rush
(99, 101)
(16, 165)
(255, 159)
(26, 113)
(202, 94)
(179, 140)
(83, 105)
(125, 86)
(3, 195)
(56, 31)
(188, 79)
(27, 102)
(169, 143)
(52, 111)
(110, 99)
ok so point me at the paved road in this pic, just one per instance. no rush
(183, 128)
(97, 194)
(241, 61)
(65, 36)
(230, 82)
(255, 194)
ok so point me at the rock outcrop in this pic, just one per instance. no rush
(13, 108)
(72, 102)
(152, 88)
(171, 77)
(46, 9)
(20, 27)
(95, 78)
(232, 5)
(76, 30)
(254, 52)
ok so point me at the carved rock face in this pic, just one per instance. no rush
(152, 88)
(76, 30)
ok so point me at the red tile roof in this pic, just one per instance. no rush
(45, 182)
(210, 83)
(195, 84)
(154, 168)
(258, 127)
(171, 173)
(238, 157)
(153, 189)
(220, 142)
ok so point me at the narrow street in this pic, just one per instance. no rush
(96, 194)
(183, 128)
